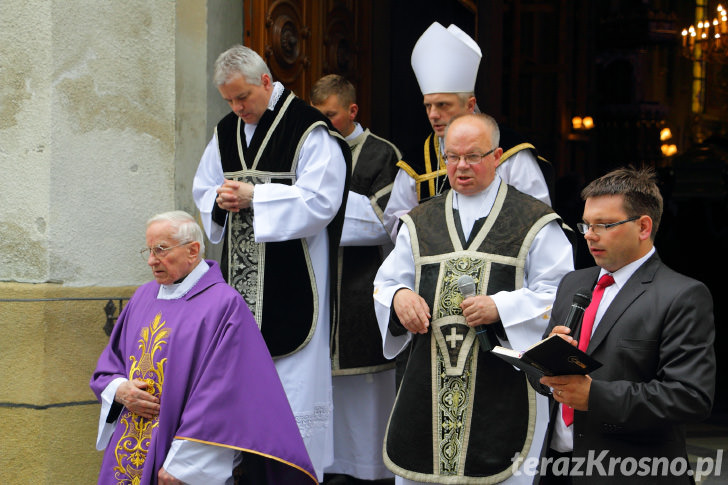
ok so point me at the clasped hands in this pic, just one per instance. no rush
(569, 390)
(134, 397)
(233, 195)
(414, 313)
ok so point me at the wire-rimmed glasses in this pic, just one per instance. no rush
(159, 252)
(470, 158)
(601, 228)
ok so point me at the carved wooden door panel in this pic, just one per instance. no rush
(302, 40)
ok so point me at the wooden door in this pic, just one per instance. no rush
(302, 40)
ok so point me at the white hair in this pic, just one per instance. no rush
(185, 227)
(239, 61)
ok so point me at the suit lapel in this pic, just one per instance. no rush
(635, 286)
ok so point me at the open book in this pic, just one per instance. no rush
(552, 356)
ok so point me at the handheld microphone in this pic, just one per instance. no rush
(466, 285)
(582, 298)
(486, 337)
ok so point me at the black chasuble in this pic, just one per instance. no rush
(276, 279)
(356, 344)
(477, 412)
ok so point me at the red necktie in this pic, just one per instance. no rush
(587, 324)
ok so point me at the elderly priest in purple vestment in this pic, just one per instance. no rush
(188, 389)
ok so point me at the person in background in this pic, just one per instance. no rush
(363, 378)
(186, 384)
(272, 185)
(463, 415)
(445, 62)
(650, 327)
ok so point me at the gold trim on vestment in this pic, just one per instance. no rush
(512, 151)
(248, 450)
(430, 175)
(409, 170)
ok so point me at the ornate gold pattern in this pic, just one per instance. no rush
(131, 450)
(454, 396)
(450, 296)
(454, 392)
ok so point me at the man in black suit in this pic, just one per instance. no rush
(653, 332)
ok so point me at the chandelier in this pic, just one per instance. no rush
(709, 40)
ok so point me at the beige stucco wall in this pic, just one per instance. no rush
(88, 136)
(50, 338)
(105, 108)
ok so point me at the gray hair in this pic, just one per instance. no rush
(465, 97)
(490, 124)
(185, 227)
(240, 61)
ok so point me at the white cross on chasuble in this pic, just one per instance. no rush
(453, 338)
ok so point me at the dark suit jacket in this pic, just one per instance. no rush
(656, 343)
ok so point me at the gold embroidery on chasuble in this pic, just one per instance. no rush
(455, 362)
(131, 450)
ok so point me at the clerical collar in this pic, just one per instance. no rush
(358, 130)
(176, 291)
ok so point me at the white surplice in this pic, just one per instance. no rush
(362, 403)
(281, 213)
(524, 313)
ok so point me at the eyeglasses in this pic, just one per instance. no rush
(159, 252)
(470, 158)
(601, 228)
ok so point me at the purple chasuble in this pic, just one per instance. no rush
(204, 357)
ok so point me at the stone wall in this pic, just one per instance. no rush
(50, 339)
(105, 109)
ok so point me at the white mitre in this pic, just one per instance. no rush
(446, 60)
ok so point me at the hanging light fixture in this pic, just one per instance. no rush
(709, 40)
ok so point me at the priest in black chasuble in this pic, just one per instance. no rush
(461, 414)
